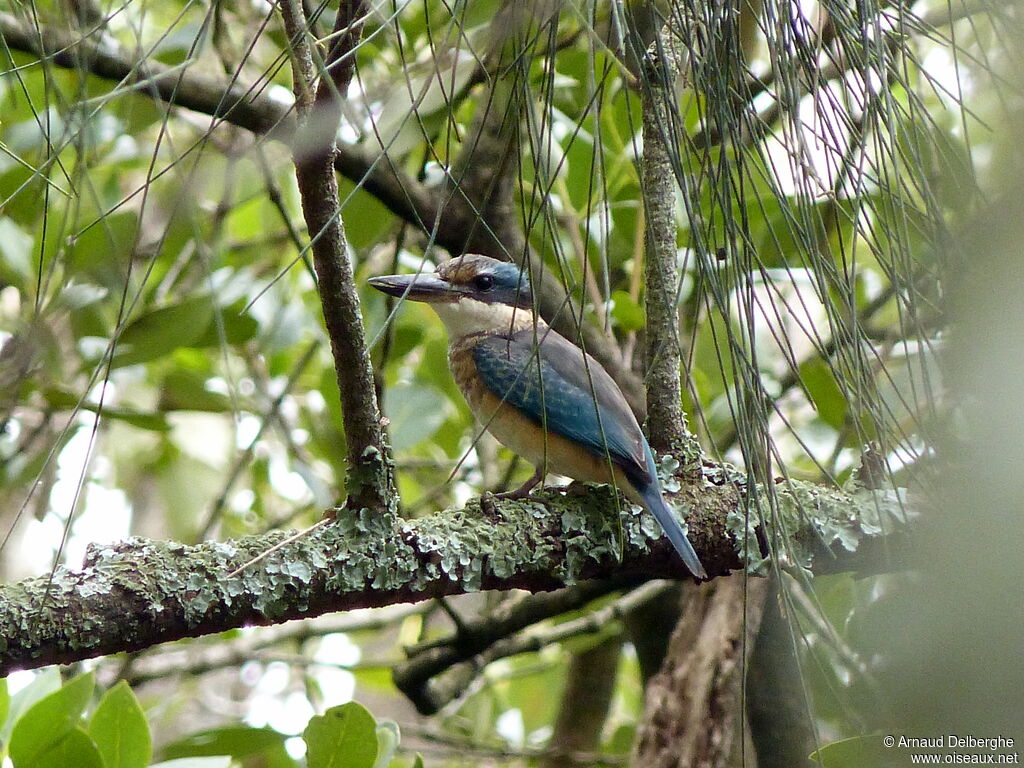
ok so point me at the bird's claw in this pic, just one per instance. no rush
(518, 493)
(487, 505)
(525, 490)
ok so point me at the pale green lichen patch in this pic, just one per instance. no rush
(640, 536)
(369, 479)
(809, 519)
(742, 521)
(811, 516)
(723, 473)
(668, 469)
(467, 546)
(595, 526)
(690, 455)
(355, 550)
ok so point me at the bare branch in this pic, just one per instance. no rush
(369, 479)
(666, 422)
(183, 661)
(439, 672)
(244, 106)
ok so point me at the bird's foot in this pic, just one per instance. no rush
(488, 507)
(524, 490)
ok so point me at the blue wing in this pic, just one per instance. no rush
(553, 383)
(568, 393)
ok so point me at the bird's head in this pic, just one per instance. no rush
(470, 293)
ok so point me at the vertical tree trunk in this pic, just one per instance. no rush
(694, 713)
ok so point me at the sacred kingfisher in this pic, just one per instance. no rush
(536, 392)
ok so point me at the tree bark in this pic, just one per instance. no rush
(139, 593)
(693, 717)
(666, 422)
(369, 479)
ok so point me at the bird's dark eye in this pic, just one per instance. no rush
(483, 282)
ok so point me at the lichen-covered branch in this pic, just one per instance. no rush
(138, 593)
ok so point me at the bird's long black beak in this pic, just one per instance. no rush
(426, 286)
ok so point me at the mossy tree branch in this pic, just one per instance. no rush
(138, 593)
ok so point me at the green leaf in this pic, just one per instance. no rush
(151, 422)
(154, 422)
(237, 327)
(43, 684)
(388, 738)
(627, 313)
(99, 251)
(15, 253)
(120, 730)
(419, 761)
(236, 741)
(164, 330)
(366, 219)
(50, 720)
(5, 702)
(184, 390)
(416, 412)
(74, 296)
(407, 338)
(828, 398)
(75, 749)
(343, 737)
(376, 677)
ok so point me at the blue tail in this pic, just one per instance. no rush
(657, 506)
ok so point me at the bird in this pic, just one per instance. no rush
(540, 395)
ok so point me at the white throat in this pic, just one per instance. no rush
(467, 316)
